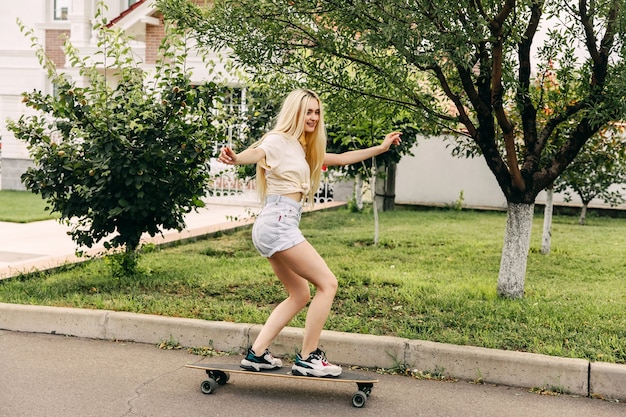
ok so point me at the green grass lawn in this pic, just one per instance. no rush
(23, 207)
(432, 277)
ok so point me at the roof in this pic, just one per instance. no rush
(133, 20)
(126, 12)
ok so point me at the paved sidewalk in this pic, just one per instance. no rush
(45, 244)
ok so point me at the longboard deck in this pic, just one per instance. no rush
(284, 372)
(219, 374)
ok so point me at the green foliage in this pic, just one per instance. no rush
(354, 118)
(459, 67)
(458, 203)
(170, 344)
(599, 170)
(126, 153)
(360, 132)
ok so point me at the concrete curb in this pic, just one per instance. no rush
(518, 369)
(509, 368)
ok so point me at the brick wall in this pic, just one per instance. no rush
(54, 46)
(154, 35)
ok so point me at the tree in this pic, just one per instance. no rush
(458, 64)
(546, 235)
(548, 92)
(357, 121)
(600, 165)
(362, 125)
(117, 160)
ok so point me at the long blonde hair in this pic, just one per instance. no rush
(290, 123)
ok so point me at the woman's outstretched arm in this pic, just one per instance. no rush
(246, 157)
(351, 157)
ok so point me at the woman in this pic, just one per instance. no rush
(289, 161)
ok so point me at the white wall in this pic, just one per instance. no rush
(19, 69)
(434, 177)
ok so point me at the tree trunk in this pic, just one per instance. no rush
(515, 250)
(373, 186)
(358, 192)
(389, 201)
(378, 191)
(386, 190)
(583, 214)
(547, 222)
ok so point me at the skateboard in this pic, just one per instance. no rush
(219, 374)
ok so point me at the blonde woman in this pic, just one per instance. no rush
(289, 161)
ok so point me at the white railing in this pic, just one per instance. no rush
(227, 188)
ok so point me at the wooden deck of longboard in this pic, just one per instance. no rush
(219, 374)
(284, 372)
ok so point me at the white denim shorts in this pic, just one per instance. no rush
(277, 226)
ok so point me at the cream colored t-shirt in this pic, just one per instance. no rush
(286, 169)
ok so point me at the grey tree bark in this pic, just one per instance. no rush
(546, 236)
(515, 250)
(583, 214)
(358, 191)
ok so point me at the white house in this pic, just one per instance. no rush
(20, 70)
(431, 177)
(53, 21)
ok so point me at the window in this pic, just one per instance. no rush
(232, 99)
(131, 2)
(61, 9)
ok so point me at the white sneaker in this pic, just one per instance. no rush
(315, 365)
(266, 361)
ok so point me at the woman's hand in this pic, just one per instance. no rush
(227, 156)
(392, 138)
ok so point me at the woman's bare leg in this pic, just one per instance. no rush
(299, 296)
(294, 267)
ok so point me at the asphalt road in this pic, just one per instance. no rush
(49, 375)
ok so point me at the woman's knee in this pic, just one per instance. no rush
(328, 285)
(301, 298)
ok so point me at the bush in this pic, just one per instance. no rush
(117, 160)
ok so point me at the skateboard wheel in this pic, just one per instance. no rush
(208, 386)
(359, 399)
